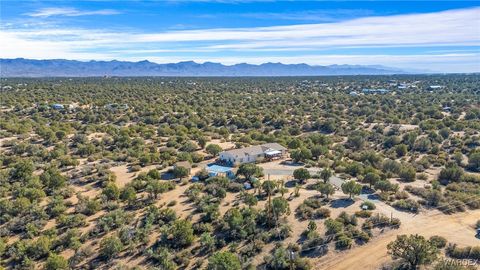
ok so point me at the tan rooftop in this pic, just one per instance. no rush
(184, 164)
(256, 149)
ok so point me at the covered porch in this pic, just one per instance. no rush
(273, 154)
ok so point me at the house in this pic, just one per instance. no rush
(184, 164)
(375, 91)
(57, 106)
(447, 109)
(435, 87)
(256, 153)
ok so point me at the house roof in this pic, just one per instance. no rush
(275, 146)
(218, 168)
(250, 151)
(256, 149)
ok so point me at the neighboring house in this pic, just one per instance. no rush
(405, 86)
(447, 109)
(256, 153)
(184, 164)
(57, 106)
(375, 91)
(435, 87)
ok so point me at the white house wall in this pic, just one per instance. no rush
(227, 157)
(240, 159)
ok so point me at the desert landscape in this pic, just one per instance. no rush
(325, 181)
(239, 135)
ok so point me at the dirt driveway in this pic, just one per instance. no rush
(276, 170)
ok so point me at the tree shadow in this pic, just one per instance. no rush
(315, 251)
(367, 190)
(374, 197)
(291, 183)
(292, 163)
(312, 186)
(167, 176)
(341, 203)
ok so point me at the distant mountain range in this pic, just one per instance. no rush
(21, 67)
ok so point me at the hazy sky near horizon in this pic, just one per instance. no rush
(438, 36)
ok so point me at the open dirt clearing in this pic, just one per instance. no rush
(225, 145)
(456, 228)
(125, 176)
(275, 170)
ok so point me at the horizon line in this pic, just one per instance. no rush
(193, 61)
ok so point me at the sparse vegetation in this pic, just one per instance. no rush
(94, 187)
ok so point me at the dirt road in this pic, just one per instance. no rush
(456, 228)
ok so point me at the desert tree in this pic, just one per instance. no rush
(301, 174)
(351, 188)
(415, 250)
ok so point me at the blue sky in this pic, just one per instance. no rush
(427, 35)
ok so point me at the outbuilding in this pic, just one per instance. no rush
(57, 106)
(184, 164)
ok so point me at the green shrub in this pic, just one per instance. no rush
(110, 247)
(322, 213)
(363, 214)
(56, 262)
(438, 241)
(407, 205)
(368, 205)
(463, 253)
(343, 242)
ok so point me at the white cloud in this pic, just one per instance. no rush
(322, 15)
(69, 12)
(263, 44)
(446, 27)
